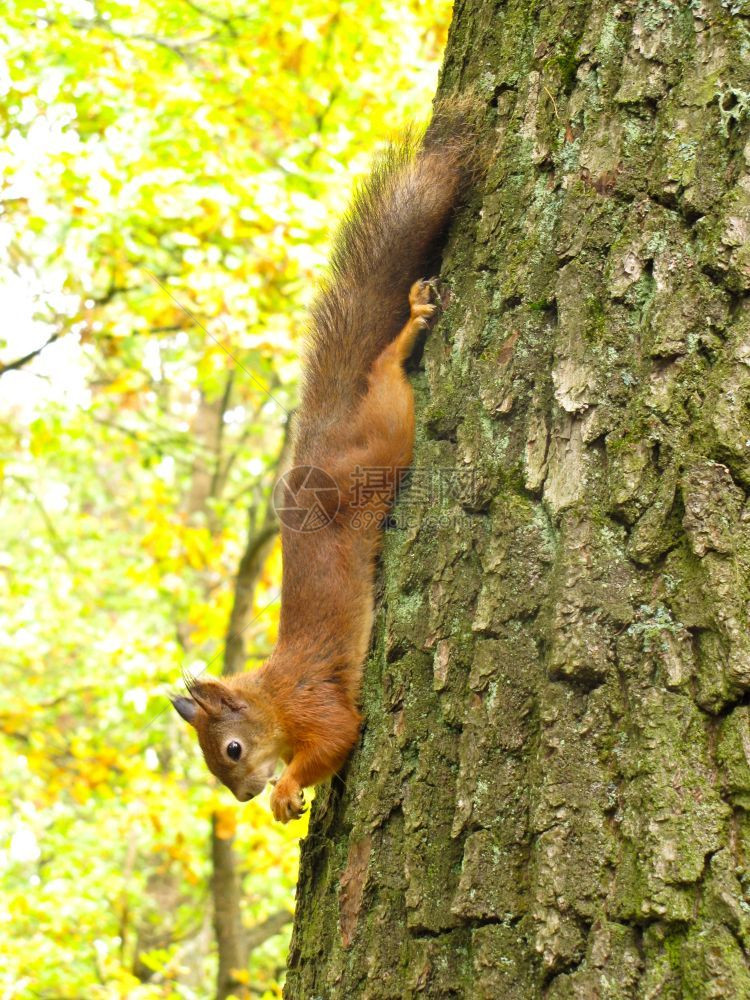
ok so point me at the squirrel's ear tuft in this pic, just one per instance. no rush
(187, 708)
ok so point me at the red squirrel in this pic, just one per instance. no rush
(356, 414)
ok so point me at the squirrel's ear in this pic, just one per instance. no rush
(214, 697)
(187, 708)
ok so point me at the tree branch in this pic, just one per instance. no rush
(55, 540)
(20, 362)
(256, 552)
(178, 48)
(218, 479)
(267, 929)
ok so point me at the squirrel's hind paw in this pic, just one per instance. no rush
(420, 301)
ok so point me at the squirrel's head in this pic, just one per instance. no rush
(240, 744)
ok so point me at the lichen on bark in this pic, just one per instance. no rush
(551, 794)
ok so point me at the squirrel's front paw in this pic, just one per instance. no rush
(287, 800)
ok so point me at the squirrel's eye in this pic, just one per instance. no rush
(234, 750)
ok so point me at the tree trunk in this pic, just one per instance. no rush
(228, 928)
(550, 797)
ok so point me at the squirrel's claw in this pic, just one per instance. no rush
(420, 302)
(287, 800)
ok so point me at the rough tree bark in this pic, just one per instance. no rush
(550, 796)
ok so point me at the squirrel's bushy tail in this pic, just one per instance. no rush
(391, 236)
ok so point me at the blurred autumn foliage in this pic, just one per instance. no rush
(169, 173)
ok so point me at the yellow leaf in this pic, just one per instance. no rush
(226, 823)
